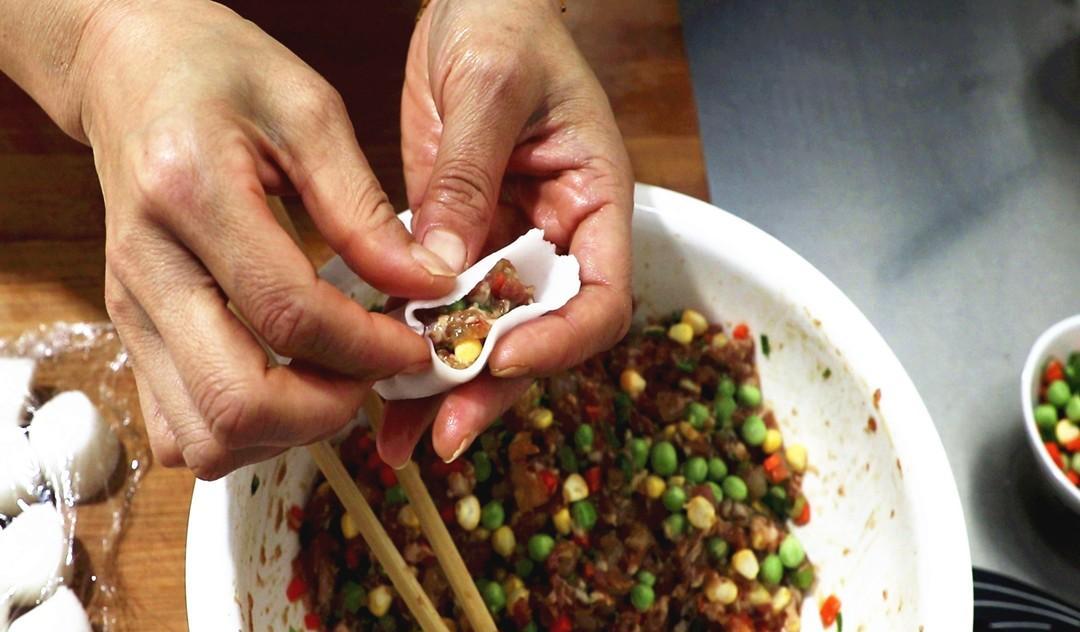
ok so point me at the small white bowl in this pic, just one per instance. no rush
(1058, 341)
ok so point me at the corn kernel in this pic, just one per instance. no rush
(796, 457)
(480, 534)
(696, 321)
(700, 513)
(690, 386)
(348, 527)
(562, 521)
(718, 341)
(721, 589)
(407, 516)
(503, 541)
(681, 333)
(467, 511)
(654, 486)
(1066, 431)
(772, 442)
(745, 563)
(781, 599)
(541, 418)
(688, 431)
(467, 351)
(792, 623)
(379, 600)
(759, 596)
(512, 583)
(515, 595)
(676, 481)
(632, 383)
(575, 488)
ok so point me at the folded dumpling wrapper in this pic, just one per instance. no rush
(555, 279)
(75, 448)
(19, 475)
(61, 612)
(15, 377)
(34, 550)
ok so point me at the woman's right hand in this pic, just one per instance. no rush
(194, 115)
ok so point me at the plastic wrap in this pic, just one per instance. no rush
(87, 358)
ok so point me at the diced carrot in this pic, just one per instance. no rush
(447, 513)
(550, 481)
(387, 476)
(312, 621)
(582, 540)
(829, 610)
(1054, 371)
(588, 570)
(295, 517)
(592, 479)
(804, 516)
(592, 411)
(1074, 445)
(374, 461)
(741, 331)
(1073, 477)
(296, 589)
(365, 443)
(562, 624)
(1055, 454)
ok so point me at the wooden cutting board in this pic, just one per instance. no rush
(51, 212)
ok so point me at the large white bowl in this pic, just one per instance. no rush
(887, 532)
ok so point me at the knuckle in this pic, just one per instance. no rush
(465, 188)
(283, 319)
(166, 173)
(318, 101)
(225, 405)
(117, 302)
(499, 69)
(207, 461)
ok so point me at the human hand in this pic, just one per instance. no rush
(504, 127)
(195, 115)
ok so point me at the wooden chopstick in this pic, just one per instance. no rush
(328, 461)
(431, 523)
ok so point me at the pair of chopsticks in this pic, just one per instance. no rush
(378, 541)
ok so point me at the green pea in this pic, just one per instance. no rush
(748, 395)
(753, 430)
(1058, 393)
(771, 570)
(396, 495)
(726, 388)
(540, 546)
(646, 578)
(639, 452)
(567, 459)
(696, 470)
(1075, 462)
(803, 577)
(717, 492)
(494, 596)
(717, 469)
(481, 466)
(776, 498)
(674, 498)
(697, 415)
(791, 552)
(623, 405)
(718, 547)
(723, 409)
(524, 567)
(735, 488)
(674, 525)
(530, 627)
(492, 515)
(642, 597)
(1072, 409)
(1045, 417)
(584, 514)
(353, 597)
(583, 437)
(664, 459)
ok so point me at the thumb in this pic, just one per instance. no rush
(481, 126)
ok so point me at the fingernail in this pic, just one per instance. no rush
(448, 246)
(514, 370)
(464, 445)
(431, 261)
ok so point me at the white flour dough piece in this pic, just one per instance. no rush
(19, 474)
(555, 279)
(62, 611)
(15, 376)
(34, 549)
(75, 447)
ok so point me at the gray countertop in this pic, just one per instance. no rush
(925, 155)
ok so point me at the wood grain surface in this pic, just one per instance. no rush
(51, 211)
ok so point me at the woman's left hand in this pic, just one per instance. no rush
(505, 127)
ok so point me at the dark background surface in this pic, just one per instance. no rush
(925, 155)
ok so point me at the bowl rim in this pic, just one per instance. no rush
(1036, 356)
(940, 533)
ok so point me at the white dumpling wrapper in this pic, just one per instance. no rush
(61, 612)
(19, 474)
(555, 279)
(15, 377)
(34, 549)
(74, 445)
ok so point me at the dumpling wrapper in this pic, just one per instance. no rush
(34, 549)
(61, 612)
(74, 445)
(15, 377)
(19, 475)
(555, 279)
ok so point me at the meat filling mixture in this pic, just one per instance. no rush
(648, 489)
(458, 330)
